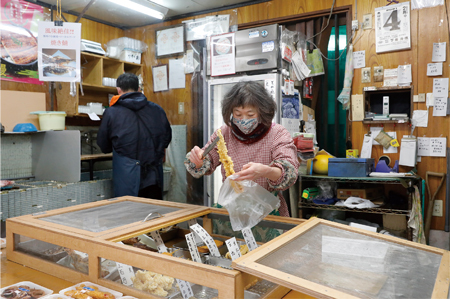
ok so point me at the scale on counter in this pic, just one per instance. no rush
(93, 47)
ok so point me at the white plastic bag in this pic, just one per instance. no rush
(357, 202)
(247, 204)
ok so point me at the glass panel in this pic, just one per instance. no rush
(110, 216)
(60, 255)
(356, 264)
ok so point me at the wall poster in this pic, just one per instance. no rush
(19, 32)
(392, 27)
(59, 52)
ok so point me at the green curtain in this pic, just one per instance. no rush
(328, 142)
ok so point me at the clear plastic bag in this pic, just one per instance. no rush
(247, 202)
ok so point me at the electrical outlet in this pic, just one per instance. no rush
(355, 25)
(181, 108)
(437, 209)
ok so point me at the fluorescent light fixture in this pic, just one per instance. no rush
(141, 8)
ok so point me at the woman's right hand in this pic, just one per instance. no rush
(196, 156)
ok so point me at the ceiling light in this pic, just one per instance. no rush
(141, 8)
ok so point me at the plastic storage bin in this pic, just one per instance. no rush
(344, 167)
(51, 120)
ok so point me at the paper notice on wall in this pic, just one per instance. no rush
(390, 77)
(423, 146)
(439, 52)
(440, 88)
(404, 75)
(420, 118)
(189, 62)
(434, 69)
(359, 59)
(357, 107)
(440, 107)
(177, 78)
(408, 152)
(438, 146)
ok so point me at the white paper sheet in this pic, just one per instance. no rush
(160, 78)
(359, 59)
(375, 131)
(438, 146)
(430, 100)
(420, 118)
(408, 149)
(439, 52)
(440, 107)
(391, 149)
(366, 149)
(392, 27)
(223, 55)
(434, 69)
(440, 88)
(404, 74)
(423, 146)
(390, 77)
(177, 78)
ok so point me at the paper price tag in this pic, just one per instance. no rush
(233, 248)
(249, 239)
(207, 239)
(125, 272)
(196, 238)
(185, 289)
(159, 242)
(193, 248)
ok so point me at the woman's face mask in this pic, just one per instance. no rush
(245, 118)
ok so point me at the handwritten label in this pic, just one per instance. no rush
(196, 238)
(404, 74)
(185, 289)
(434, 69)
(159, 241)
(439, 52)
(440, 107)
(193, 248)
(438, 146)
(207, 239)
(126, 272)
(249, 239)
(359, 59)
(423, 146)
(233, 248)
(440, 88)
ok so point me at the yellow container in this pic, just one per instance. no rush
(51, 120)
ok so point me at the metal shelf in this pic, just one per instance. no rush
(359, 179)
(304, 205)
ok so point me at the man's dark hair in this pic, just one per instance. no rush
(128, 82)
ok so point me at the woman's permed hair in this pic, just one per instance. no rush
(249, 93)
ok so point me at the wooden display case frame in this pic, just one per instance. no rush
(249, 263)
(229, 283)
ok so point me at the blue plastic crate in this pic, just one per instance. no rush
(350, 167)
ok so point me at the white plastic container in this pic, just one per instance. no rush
(130, 56)
(51, 120)
(90, 284)
(29, 286)
(56, 296)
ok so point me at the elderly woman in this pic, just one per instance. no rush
(261, 151)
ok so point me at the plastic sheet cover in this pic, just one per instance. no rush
(110, 216)
(356, 264)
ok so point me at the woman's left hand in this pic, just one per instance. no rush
(252, 171)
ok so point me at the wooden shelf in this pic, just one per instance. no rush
(99, 88)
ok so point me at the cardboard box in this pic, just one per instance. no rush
(394, 222)
(368, 193)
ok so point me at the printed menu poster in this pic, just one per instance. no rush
(392, 27)
(19, 49)
(59, 52)
(223, 55)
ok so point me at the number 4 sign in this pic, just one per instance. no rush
(392, 27)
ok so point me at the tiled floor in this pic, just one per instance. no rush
(440, 239)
